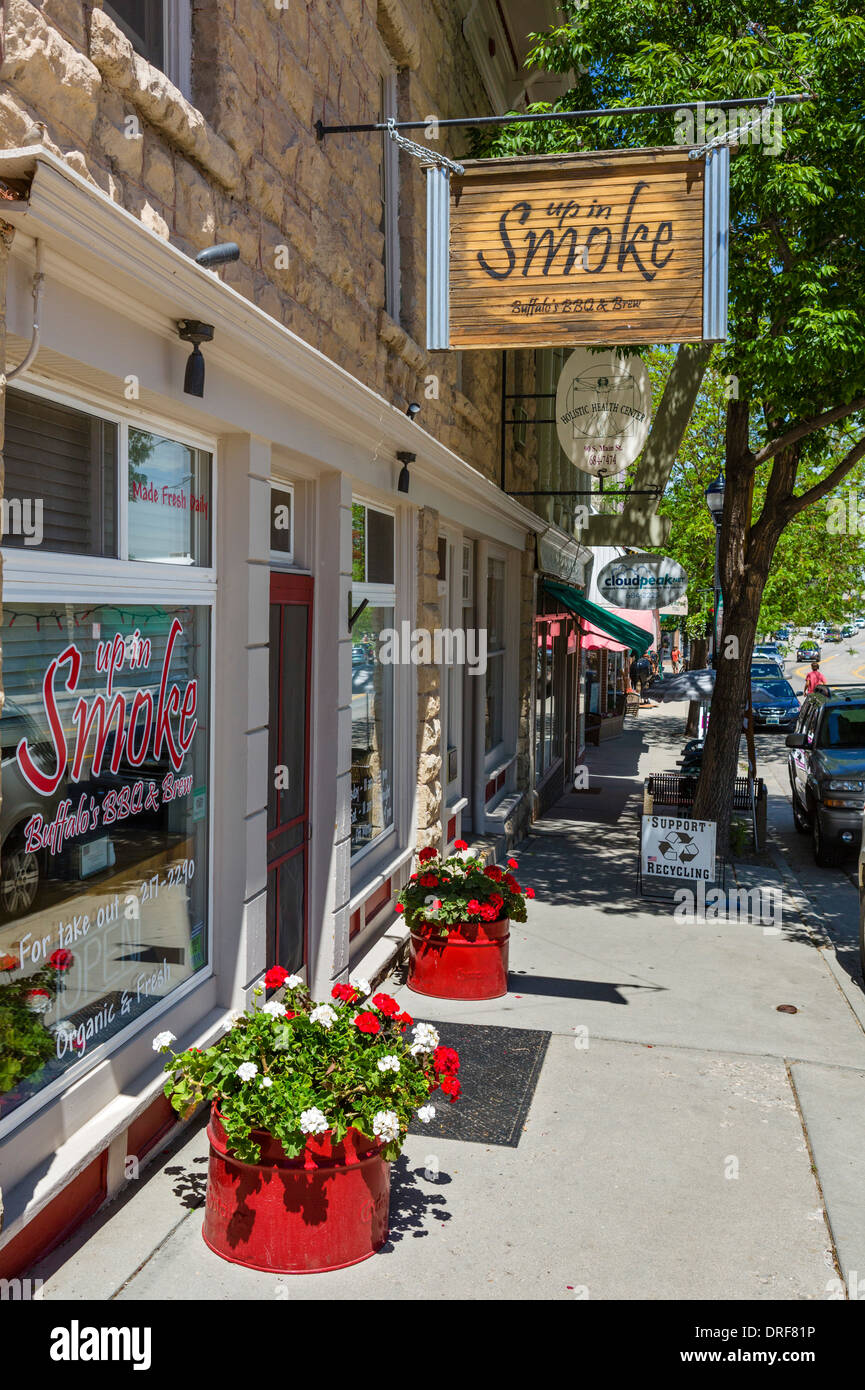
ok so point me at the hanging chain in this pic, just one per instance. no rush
(421, 151)
(730, 136)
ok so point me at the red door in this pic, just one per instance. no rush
(288, 801)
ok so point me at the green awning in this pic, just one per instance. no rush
(603, 619)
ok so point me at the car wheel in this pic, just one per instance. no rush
(20, 877)
(800, 817)
(825, 855)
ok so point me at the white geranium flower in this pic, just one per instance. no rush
(388, 1063)
(266, 1081)
(426, 1039)
(293, 981)
(162, 1040)
(385, 1124)
(426, 1113)
(275, 1009)
(363, 987)
(313, 1121)
(246, 1071)
(235, 1016)
(324, 1015)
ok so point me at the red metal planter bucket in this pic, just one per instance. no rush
(283, 1217)
(471, 962)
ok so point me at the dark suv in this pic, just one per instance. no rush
(827, 769)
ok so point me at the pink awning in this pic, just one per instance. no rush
(593, 639)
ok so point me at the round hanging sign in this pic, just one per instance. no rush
(642, 581)
(603, 410)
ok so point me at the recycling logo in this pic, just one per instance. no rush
(678, 848)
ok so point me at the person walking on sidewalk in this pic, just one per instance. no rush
(814, 677)
(675, 657)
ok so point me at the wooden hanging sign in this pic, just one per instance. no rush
(623, 246)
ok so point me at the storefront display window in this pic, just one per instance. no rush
(60, 489)
(103, 826)
(372, 681)
(495, 673)
(169, 501)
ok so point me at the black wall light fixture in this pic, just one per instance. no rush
(218, 255)
(413, 410)
(405, 459)
(192, 331)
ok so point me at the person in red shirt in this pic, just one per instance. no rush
(814, 677)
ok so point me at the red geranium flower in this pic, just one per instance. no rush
(427, 854)
(429, 881)
(494, 872)
(404, 1020)
(289, 1013)
(512, 864)
(347, 993)
(473, 905)
(530, 892)
(60, 960)
(398, 907)
(497, 901)
(275, 977)
(460, 844)
(9, 962)
(512, 883)
(488, 912)
(451, 1087)
(386, 1005)
(446, 1059)
(368, 1023)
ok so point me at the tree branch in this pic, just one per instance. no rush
(832, 479)
(806, 427)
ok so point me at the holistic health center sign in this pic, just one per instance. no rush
(616, 246)
(677, 847)
(603, 410)
(642, 581)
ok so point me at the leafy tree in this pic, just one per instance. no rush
(796, 348)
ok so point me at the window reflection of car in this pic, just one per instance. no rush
(22, 871)
(362, 670)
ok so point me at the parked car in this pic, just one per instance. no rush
(848, 630)
(808, 649)
(859, 622)
(826, 766)
(833, 634)
(771, 651)
(774, 703)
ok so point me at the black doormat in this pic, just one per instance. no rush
(499, 1070)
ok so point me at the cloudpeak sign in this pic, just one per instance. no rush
(642, 581)
(615, 246)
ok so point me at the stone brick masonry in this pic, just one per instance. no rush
(241, 162)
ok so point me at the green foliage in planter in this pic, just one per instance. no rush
(446, 892)
(738, 834)
(294, 1068)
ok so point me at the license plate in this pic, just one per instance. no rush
(773, 719)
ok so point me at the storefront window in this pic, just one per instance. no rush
(372, 680)
(61, 478)
(103, 826)
(495, 673)
(169, 501)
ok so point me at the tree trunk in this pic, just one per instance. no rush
(746, 555)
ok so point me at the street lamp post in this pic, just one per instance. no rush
(715, 503)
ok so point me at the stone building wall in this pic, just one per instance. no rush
(241, 162)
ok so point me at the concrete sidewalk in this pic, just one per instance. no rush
(669, 1146)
